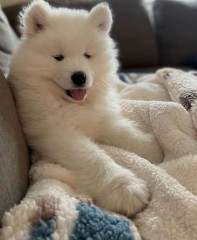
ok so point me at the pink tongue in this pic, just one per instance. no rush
(78, 94)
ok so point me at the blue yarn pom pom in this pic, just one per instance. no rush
(43, 230)
(94, 224)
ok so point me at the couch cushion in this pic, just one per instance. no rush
(132, 29)
(8, 43)
(176, 29)
(14, 161)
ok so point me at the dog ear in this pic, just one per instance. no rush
(101, 17)
(34, 18)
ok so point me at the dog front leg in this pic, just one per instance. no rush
(110, 185)
(128, 135)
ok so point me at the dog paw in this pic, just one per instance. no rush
(186, 99)
(126, 195)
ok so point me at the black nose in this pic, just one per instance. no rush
(78, 78)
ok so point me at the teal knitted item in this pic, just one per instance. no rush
(43, 230)
(52, 217)
(94, 224)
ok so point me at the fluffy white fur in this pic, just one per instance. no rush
(64, 131)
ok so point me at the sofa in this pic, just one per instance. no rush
(147, 40)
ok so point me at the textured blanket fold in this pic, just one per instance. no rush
(164, 105)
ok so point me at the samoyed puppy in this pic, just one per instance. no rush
(62, 79)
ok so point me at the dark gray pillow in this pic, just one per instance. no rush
(8, 43)
(176, 29)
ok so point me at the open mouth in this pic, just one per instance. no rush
(76, 94)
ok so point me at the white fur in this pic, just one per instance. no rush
(61, 130)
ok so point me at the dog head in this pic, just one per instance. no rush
(70, 47)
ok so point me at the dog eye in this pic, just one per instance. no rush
(86, 55)
(59, 57)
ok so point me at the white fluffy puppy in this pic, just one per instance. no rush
(61, 78)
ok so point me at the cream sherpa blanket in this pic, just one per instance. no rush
(164, 104)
